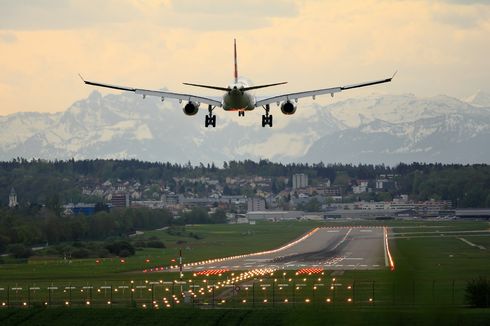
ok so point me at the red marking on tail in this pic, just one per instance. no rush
(236, 66)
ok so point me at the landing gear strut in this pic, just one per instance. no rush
(210, 118)
(267, 118)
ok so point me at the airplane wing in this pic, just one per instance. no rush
(161, 94)
(314, 93)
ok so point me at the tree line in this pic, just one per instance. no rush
(42, 226)
(53, 183)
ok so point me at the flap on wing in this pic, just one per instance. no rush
(162, 94)
(178, 96)
(295, 96)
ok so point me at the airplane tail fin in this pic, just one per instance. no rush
(236, 66)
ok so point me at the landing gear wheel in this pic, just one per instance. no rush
(267, 120)
(210, 121)
(241, 113)
(210, 118)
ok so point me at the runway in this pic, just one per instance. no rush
(342, 248)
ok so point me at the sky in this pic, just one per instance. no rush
(437, 47)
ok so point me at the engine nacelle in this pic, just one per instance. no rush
(288, 108)
(191, 108)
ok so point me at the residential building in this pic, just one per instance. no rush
(300, 181)
(255, 204)
(120, 200)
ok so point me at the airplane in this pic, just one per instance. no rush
(237, 97)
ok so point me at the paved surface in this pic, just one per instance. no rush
(342, 248)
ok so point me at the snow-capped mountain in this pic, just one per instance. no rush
(480, 99)
(373, 129)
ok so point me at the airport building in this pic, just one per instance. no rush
(274, 215)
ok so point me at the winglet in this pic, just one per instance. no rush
(80, 75)
(396, 71)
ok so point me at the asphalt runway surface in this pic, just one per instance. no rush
(342, 248)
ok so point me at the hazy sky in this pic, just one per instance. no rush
(438, 47)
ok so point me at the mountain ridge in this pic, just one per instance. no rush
(372, 129)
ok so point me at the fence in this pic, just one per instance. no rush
(266, 292)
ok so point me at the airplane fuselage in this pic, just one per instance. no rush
(238, 100)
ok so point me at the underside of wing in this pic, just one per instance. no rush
(314, 93)
(158, 93)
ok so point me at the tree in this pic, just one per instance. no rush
(20, 251)
(478, 292)
(219, 216)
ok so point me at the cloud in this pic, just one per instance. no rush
(248, 9)
(68, 14)
(468, 2)
(462, 16)
(8, 38)
(206, 14)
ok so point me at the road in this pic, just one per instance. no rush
(342, 248)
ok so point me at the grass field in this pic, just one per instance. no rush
(217, 241)
(432, 267)
(270, 317)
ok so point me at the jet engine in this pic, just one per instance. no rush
(288, 108)
(191, 108)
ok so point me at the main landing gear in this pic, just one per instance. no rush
(267, 118)
(210, 118)
(241, 113)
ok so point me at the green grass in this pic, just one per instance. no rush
(295, 316)
(217, 241)
(431, 271)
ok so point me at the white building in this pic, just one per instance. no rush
(300, 181)
(13, 198)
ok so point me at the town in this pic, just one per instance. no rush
(252, 197)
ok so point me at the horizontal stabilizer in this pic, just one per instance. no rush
(262, 86)
(225, 89)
